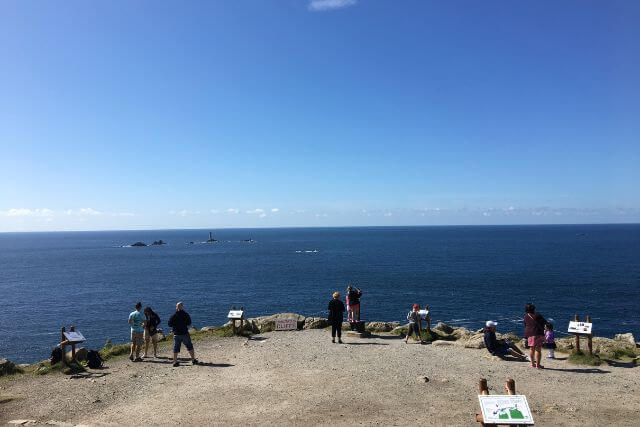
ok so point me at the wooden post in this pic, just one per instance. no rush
(576, 318)
(589, 337)
(62, 340)
(483, 388)
(510, 386)
(73, 346)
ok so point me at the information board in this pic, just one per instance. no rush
(583, 328)
(74, 336)
(235, 314)
(423, 314)
(505, 409)
(286, 324)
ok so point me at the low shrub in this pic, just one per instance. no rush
(580, 358)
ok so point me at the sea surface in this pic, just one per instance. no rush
(466, 274)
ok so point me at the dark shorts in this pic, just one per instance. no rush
(413, 329)
(501, 350)
(179, 339)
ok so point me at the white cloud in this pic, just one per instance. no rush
(275, 210)
(388, 214)
(322, 5)
(122, 214)
(262, 215)
(83, 212)
(321, 215)
(257, 211)
(184, 212)
(214, 211)
(23, 212)
(233, 211)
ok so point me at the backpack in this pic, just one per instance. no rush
(56, 356)
(94, 361)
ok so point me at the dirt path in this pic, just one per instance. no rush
(301, 378)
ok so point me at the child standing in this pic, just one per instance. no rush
(549, 340)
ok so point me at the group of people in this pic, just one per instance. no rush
(144, 331)
(336, 309)
(538, 333)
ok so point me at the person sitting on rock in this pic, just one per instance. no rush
(497, 347)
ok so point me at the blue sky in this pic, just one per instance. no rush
(120, 115)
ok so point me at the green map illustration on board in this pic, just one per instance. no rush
(510, 414)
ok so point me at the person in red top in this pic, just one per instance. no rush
(534, 334)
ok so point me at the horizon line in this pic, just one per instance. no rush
(320, 227)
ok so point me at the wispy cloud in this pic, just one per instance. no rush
(275, 210)
(256, 211)
(323, 5)
(184, 213)
(214, 211)
(233, 211)
(23, 212)
(83, 212)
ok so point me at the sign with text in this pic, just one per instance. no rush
(583, 328)
(74, 336)
(505, 409)
(235, 314)
(286, 324)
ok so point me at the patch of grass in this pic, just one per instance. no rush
(219, 332)
(45, 368)
(112, 350)
(620, 354)
(580, 358)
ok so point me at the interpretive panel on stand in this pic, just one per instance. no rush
(235, 314)
(505, 409)
(74, 336)
(580, 328)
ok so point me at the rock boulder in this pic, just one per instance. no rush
(443, 327)
(315, 323)
(381, 326)
(627, 338)
(268, 323)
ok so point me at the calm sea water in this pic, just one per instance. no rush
(466, 274)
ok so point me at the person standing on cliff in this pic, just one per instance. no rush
(534, 334)
(180, 322)
(136, 321)
(336, 314)
(353, 295)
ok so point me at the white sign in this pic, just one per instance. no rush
(580, 328)
(423, 314)
(74, 336)
(286, 324)
(505, 409)
(235, 314)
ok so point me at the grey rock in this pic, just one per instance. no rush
(381, 326)
(268, 323)
(628, 337)
(443, 327)
(315, 323)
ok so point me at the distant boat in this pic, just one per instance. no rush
(211, 239)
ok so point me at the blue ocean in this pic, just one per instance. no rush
(466, 274)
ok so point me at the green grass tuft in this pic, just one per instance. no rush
(580, 358)
(112, 350)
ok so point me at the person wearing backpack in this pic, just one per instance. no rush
(152, 320)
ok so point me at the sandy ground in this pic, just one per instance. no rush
(300, 378)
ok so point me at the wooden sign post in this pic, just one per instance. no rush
(69, 338)
(236, 315)
(579, 328)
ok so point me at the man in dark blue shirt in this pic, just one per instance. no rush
(180, 322)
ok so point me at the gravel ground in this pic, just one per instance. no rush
(299, 377)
